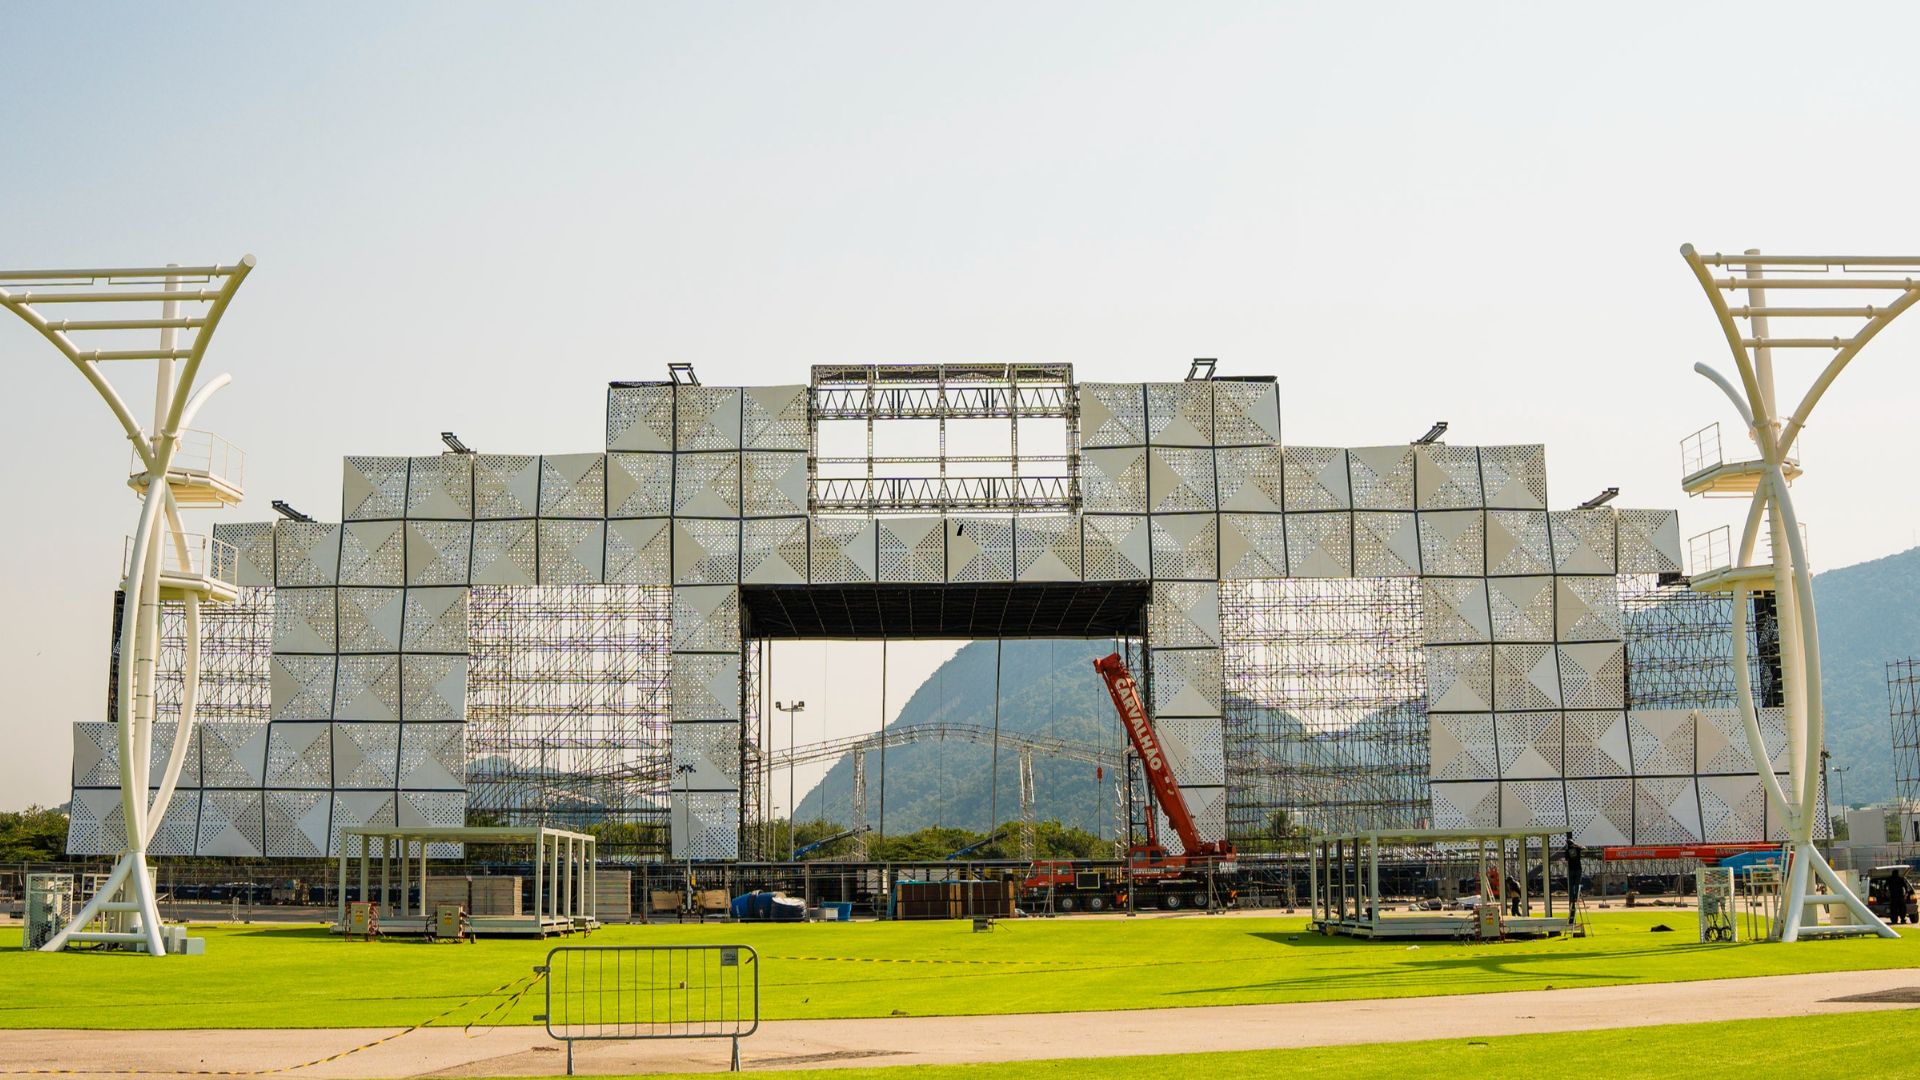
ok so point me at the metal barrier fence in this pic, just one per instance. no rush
(652, 992)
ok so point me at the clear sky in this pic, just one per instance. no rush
(470, 217)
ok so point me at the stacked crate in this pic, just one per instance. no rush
(479, 895)
(613, 895)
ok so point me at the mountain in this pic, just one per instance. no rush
(1869, 614)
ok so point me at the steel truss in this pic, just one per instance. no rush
(1325, 707)
(567, 710)
(1903, 704)
(1677, 643)
(940, 482)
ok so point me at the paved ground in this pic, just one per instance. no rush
(931, 1040)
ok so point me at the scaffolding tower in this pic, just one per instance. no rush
(567, 711)
(1325, 703)
(1678, 644)
(1903, 704)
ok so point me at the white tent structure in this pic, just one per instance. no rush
(173, 468)
(1852, 299)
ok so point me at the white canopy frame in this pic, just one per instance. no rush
(1787, 576)
(163, 563)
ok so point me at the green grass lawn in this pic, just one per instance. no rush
(262, 976)
(1802, 1046)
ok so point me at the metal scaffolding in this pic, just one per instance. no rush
(1903, 704)
(236, 660)
(1678, 642)
(1325, 705)
(567, 710)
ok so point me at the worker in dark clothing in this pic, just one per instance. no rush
(1573, 879)
(1513, 899)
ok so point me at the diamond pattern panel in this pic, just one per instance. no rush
(439, 552)
(369, 620)
(441, 487)
(1453, 543)
(1194, 748)
(773, 551)
(1514, 477)
(1594, 675)
(1184, 613)
(95, 825)
(299, 756)
(1662, 741)
(706, 618)
(179, 827)
(639, 485)
(706, 686)
(1459, 678)
(640, 417)
(1245, 413)
(844, 550)
(1179, 479)
(368, 688)
(1250, 478)
(574, 552)
(373, 553)
(1530, 746)
(1525, 677)
(1385, 544)
(354, 808)
(706, 551)
(1112, 414)
(1597, 743)
(1649, 541)
(706, 825)
(373, 488)
(1180, 414)
(504, 552)
(1666, 811)
(366, 756)
(1588, 608)
(1117, 547)
(1720, 741)
(774, 418)
(434, 689)
(639, 552)
(706, 485)
(96, 755)
(707, 418)
(1381, 477)
(1456, 611)
(436, 621)
(304, 621)
(1447, 477)
(1320, 545)
(1583, 541)
(1046, 547)
(1518, 543)
(1600, 812)
(306, 553)
(1114, 480)
(505, 486)
(1466, 805)
(1316, 478)
(980, 549)
(1185, 682)
(773, 484)
(1186, 546)
(1460, 746)
(573, 486)
(296, 824)
(714, 752)
(1522, 608)
(914, 549)
(1253, 546)
(302, 687)
(433, 757)
(1525, 803)
(1732, 808)
(231, 823)
(253, 544)
(233, 753)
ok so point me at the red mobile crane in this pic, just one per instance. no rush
(1158, 877)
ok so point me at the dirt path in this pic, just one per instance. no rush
(789, 1044)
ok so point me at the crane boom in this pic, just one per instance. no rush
(1153, 759)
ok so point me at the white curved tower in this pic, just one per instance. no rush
(1847, 300)
(173, 468)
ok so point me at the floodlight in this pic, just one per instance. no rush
(1201, 370)
(681, 374)
(1601, 499)
(454, 444)
(1433, 434)
(287, 511)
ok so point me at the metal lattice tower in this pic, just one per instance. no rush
(174, 467)
(1853, 299)
(1903, 704)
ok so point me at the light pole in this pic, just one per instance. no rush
(1840, 776)
(793, 808)
(686, 823)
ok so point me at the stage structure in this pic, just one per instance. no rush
(1842, 302)
(174, 468)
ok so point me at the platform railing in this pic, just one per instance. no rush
(200, 455)
(190, 555)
